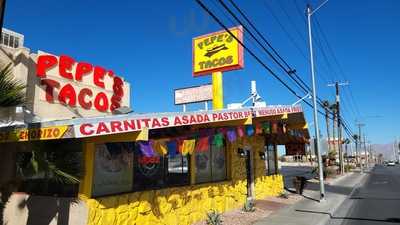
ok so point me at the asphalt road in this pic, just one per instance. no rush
(376, 201)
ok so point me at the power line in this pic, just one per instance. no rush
(289, 71)
(338, 65)
(259, 34)
(253, 54)
(261, 47)
(292, 40)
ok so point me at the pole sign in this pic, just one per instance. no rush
(217, 52)
(193, 94)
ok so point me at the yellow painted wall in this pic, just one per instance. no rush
(189, 204)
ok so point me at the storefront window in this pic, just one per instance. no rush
(44, 170)
(122, 167)
(113, 167)
(270, 159)
(178, 170)
(211, 164)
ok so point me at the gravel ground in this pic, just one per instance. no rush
(264, 208)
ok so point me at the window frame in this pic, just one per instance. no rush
(224, 148)
(268, 153)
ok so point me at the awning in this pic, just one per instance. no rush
(118, 124)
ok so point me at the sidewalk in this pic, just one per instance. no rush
(312, 212)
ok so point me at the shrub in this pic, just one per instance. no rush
(249, 206)
(348, 168)
(329, 172)
(214, 218)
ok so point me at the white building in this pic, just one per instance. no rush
(90, 91)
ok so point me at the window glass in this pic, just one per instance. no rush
(218, 163)
(6, 37)
(16, 43)
(148, 171)
(65, 155)
(178, 170)
(203, 166)
(113, 168)
(211, 164)
(11, 41)
(270, 159)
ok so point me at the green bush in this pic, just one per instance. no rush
(348, 168)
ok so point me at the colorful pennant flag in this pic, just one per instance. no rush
(202, 144)
(172, 148)
(259, 129)
(249, 130)
(274, 127)
(267, 127)
(146, 148)
(218, 140)
(160, 147)
(240, 131)
(231, 135)
(188, 146)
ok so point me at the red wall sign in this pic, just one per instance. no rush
(74, 71)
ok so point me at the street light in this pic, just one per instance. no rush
(314, 95)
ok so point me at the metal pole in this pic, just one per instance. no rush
(314, 96)
(339, 129)
(359, 145)
(366, 152)
(184, 107)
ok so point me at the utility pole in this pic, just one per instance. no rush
(360, 142)
(315, 106)
(366, 152)
(355, 136)
(326, 107)
(339, 123)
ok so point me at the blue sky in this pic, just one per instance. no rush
(149, 44)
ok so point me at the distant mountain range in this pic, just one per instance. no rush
(385, 149)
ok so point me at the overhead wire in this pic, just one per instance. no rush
(205, 8)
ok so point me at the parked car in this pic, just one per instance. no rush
(391, 163)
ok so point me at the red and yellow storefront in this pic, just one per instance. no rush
(138, 170)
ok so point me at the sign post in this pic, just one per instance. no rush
(218, 90)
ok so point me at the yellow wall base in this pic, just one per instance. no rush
(177, 206)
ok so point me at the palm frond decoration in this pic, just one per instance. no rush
(11, 90)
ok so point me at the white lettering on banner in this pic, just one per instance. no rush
(137, 124)
(273, 111)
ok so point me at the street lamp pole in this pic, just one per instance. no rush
(315, 106)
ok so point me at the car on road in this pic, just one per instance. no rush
(391, 163)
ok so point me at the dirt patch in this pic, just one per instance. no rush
(264, 208)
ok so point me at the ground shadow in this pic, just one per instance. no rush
(387, 220)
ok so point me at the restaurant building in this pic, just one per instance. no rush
(153, 168)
